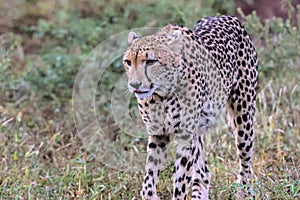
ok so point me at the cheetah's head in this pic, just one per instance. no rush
(152, 63)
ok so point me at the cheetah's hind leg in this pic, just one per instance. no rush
(240, 117)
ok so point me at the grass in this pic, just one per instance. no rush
(42, 156)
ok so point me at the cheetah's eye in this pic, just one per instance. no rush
(127, 62)
(151, 62)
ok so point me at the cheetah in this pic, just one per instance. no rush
(183, 79)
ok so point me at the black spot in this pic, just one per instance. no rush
(248, 148)
(206, 169)
(245, 117)
(150, 193)
(160, 97)
(245, 166)
(162, 145)
(150, 159)
(188, 179)
(248, 126)
(232, 106)
(241, 145)
(239, 108)
(241, 133)
(251, 133)
(241, 85)
(152, 145)
(177, 193)
(240, 71)
(247, 82)
(183, 161)
(177, 124)
(241, 53)
(183, 188)
(150, 173)
(241, 45)
(172, 102)
(189, 165)
(179, 179)
(243, 63)
(246, 137)
(244, 104)
(239, 120)
(247, 159)
(152, 101)
(200, 141)
(248, 98)
(146, 179)
(196, 181)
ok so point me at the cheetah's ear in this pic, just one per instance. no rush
(175, 42)
(132, 36)
(177, 35)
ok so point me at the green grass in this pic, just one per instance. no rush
(42, 155)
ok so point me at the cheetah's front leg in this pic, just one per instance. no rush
(183, 167)
(201, 175)
(156, 154)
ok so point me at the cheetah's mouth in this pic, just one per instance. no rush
(144, 93)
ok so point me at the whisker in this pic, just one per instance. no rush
(126, 92)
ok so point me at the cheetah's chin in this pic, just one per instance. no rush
(145, 94)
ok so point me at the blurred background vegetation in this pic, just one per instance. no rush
(42, 45)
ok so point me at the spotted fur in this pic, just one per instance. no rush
(183, 79)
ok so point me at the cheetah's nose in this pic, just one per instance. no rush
(135, 84)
